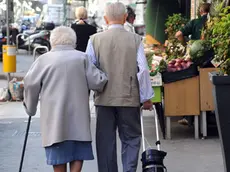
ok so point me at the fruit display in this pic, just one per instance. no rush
(179, 64)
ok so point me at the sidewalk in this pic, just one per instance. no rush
(184, 153)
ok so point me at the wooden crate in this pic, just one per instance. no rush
(206, 97)
(182, 97)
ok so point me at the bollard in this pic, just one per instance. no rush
(29, 47)
(39, 47)
(9, 58)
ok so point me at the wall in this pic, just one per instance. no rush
(157, 12)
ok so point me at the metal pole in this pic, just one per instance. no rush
(8, 31)
(7, 22)
(142, 130)
(195, 9)
(39, 47)
(29, 48)
(157, 128)
(65, 12)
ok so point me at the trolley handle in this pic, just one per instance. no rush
(158, 143)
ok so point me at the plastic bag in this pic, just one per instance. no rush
(4, 95)
(16, 90)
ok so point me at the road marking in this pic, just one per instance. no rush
(27, 121)
(6, 122)
(34, 134)
(15, 133)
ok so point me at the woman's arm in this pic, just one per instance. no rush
(96, 78)
(32, 87)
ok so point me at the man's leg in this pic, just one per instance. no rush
(106, 139)
(129, 128)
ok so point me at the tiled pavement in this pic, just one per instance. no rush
(184, 153)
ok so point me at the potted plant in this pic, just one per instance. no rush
(219, 34)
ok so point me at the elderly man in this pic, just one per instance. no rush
(118, 106)
(130, 20)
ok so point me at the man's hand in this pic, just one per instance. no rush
(179, 36)
(148, 105)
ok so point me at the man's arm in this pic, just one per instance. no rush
(91, 53)
(187, 29)
(146, 91)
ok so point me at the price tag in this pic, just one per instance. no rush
(216, 63)
(156, 80)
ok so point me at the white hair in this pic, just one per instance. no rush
(115, 11)
(63, 35)
(81, 13)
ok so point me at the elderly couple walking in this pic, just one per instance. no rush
(115, 68)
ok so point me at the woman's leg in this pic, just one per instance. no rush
(60, 168)
(76, 166)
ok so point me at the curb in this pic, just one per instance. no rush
(3, 77)
(18, 76)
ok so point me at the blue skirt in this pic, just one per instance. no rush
(68, 151)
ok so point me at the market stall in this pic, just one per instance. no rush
(180, 64)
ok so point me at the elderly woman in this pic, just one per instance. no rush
(62, 78)
(82, 29)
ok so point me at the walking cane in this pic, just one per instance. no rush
(24, 146)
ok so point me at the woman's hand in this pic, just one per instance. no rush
(81, 22)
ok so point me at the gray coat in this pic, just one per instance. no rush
(62, 78)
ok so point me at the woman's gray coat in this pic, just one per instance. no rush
(63, 78)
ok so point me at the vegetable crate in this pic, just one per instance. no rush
(156, 82)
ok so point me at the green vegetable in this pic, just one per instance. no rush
(149, 57)
(173, 24)
(225, 67)
(162, 66)
(198, 50)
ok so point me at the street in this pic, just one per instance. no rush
(184, 153)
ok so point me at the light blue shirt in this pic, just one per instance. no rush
(146, 91)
